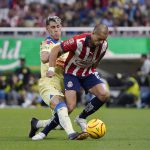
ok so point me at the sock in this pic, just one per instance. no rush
(64, 119)
(91, 107)
(43, 123)
(52, 124)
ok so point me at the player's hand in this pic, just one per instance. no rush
(51, 72)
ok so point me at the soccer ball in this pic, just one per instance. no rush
(96, 128)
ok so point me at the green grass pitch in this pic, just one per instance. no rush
(127, 129)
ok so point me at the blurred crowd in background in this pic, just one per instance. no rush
(19, 88)
(32, 13)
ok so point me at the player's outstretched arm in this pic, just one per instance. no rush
(52, 60)
(53, 55)
(44, 56)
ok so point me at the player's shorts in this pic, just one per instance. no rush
(72, 82)
(49, 87)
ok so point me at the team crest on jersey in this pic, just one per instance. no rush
(70, 41)
(70, 84)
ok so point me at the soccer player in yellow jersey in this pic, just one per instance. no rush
(52, 89)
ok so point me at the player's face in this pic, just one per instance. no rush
(54, 30)
(97, 38)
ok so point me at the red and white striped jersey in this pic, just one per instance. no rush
(82, 58)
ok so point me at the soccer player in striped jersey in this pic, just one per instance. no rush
(85, 52)
(52, 89)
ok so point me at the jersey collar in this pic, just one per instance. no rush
(53, 40)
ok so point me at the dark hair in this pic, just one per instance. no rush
(53, 18)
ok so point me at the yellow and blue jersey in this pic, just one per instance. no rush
(51, 86)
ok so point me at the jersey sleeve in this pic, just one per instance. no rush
(104, 46)
(69, 45)
(104, 49)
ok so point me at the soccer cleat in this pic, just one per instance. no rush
(39, 136)
(78, 136)
(33, 129)
(82, 123)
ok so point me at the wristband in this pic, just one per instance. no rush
(51, 69)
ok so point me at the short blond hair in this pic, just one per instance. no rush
(53, 18)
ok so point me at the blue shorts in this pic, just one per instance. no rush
(72, 82)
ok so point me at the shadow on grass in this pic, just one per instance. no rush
(56, 138)
(26, 139)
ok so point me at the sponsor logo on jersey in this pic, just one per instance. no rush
(68, 42)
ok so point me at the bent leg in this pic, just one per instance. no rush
(71, 99)
(57, 103)
(72, 85)
(101, 94)
(93, 105)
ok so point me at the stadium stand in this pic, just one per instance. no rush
(31, 13)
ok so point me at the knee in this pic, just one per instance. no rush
(55, 101)
(104, 95)
(53, 104)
